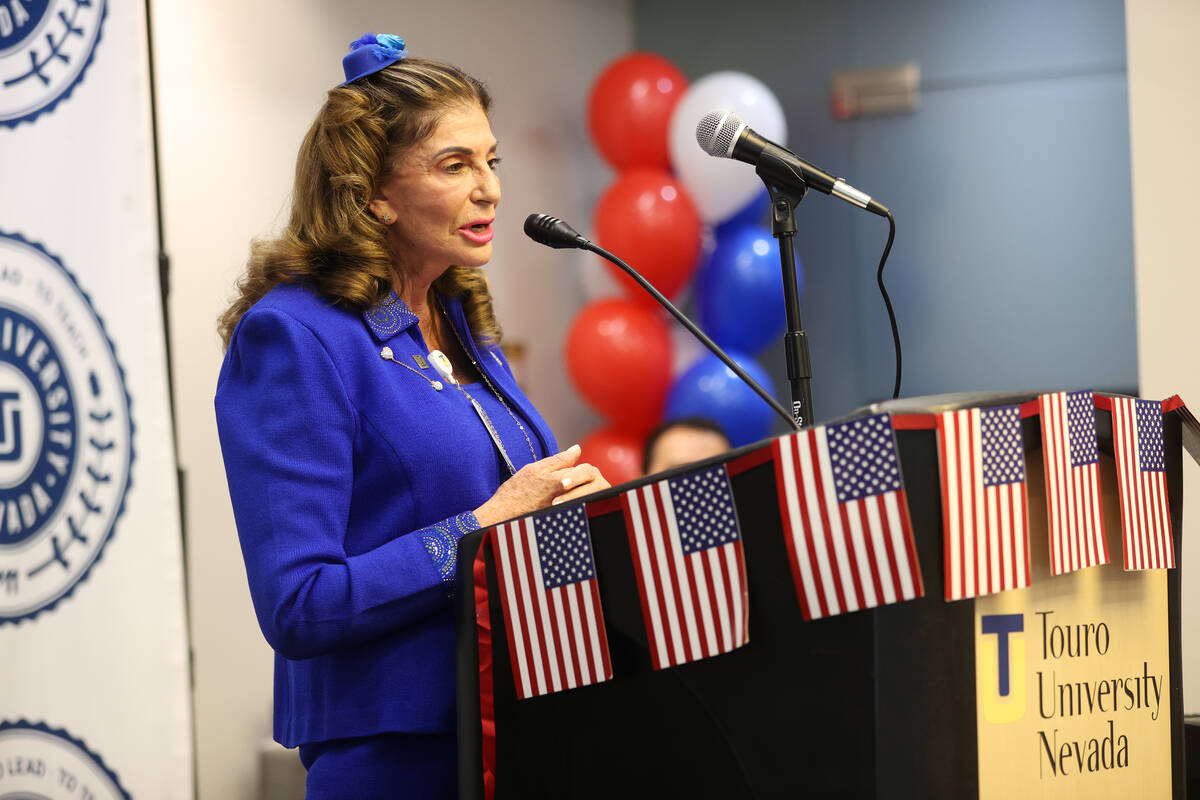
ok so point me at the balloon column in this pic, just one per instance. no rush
(667, 197)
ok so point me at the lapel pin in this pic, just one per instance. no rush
(387, 355)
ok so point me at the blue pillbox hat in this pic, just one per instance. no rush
(370, 53)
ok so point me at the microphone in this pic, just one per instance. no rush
(553, 232)
(723, 134)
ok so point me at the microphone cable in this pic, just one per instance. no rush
(887, 301)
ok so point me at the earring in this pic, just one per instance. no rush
(386, 218)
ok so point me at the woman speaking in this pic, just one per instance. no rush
(368, 420)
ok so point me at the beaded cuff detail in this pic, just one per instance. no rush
(441, 542)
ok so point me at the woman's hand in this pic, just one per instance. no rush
(552, 480)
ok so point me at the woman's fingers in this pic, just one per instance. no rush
(565, 458)
(574, 476)
(578, 481)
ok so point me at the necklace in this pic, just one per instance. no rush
(482, 374)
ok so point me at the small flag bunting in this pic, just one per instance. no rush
(845, 517)
(1073, 504)
(551, 602)
(1142, 484)
(984, 503)
(691, 572)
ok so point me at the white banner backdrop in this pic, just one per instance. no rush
(94, 683)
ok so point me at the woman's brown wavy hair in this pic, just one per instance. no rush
(331, 240)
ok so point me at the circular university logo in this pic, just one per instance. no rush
(66, 437)
(41, 763)
(45, 46)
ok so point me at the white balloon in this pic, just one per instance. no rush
(720, 187)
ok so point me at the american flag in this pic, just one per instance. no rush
(1141, 479)
(556, 636)
(1072, 481)
(845, 516)
(984, 508)
(687, 553)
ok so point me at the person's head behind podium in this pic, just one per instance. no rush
(682, 441)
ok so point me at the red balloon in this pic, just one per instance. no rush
(615, 452)
(619, 357)
(629, 110)
(647, 219)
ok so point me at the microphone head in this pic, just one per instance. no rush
(718, 131)
(552, 232)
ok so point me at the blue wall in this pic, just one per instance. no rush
(1013, 263)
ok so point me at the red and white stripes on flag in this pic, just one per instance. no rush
(845, 517)
(556, 635)
(1073, 504)
(984, 509)
(687, 555)
(1142, 483)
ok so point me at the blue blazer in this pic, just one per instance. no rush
(352, 480)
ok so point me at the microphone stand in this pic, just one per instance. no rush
(795, 341)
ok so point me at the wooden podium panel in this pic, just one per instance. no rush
(898, 701)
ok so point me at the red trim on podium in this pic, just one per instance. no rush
(1173, 403)
(1102, 403)
(746, 461)
(483, 636)
(914, 422)
(602, 507)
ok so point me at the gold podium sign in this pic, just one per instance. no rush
(1072, 694)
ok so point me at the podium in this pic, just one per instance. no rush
(887, 702)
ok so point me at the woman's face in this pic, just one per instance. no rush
(442, 195)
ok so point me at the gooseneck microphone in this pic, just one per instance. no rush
(553, 232)
(723, 134)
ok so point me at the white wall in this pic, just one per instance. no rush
(237, 85)
(1164, 111)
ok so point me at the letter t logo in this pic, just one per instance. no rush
(1002, 625)
(1000, 667)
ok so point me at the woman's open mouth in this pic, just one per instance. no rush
(479, 232)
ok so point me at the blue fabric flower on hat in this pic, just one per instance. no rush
(393, 43)
(371, 53)
(386, 46)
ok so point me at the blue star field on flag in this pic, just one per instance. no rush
(1081, 427)
(704, 509)
(1003, 453)
(862, 453)
(564, 547)
(1150, 436)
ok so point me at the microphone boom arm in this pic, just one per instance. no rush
(695, 330)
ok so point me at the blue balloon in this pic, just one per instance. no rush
(710, 389)
(739, 292)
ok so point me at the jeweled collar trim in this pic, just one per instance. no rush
(389, 317)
